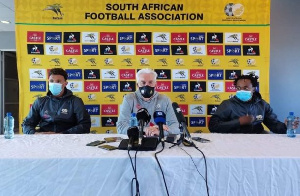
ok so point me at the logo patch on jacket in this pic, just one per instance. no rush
(64, 111)
(259, 117)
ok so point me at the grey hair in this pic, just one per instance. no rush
(146, 71)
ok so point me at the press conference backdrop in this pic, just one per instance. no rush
(196, 47)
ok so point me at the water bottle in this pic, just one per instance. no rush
(290, 120)
(9, 123)
(133, 120)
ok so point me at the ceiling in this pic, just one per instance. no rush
(7, 12)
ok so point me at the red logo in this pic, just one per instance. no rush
(214, 49)
(178, 37)
(184, 108)
(163, 86)
(143, 50)
(198, 74)
(35, 36)
(111, 109)
(208, 119)
(252, 38)
(108, 37)
(127, 74)
(72, 50)
(229, 87)
(91, 86)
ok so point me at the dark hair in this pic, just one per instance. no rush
(58, 71)
(253, 78)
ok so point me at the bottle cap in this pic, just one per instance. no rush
(8, 114)
(133, 114)
(291, 113)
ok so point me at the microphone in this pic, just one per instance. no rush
(133, 135)
(143, 117)
(182, 122)
(160, 120)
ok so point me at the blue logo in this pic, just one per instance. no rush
(215, 74)
(74, 74)
(197, 122)
(126, 37)
(197, 37)
(38, 86)
(53, 37)
(90, 50)
(93, 109)
(161, 49)
(233, 50)
(109, 86)
(181, 86)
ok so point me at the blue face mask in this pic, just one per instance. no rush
(55, 88)
(244, 95)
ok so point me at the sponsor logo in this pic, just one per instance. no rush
(234, 62)
(197, 86)
(53, 37)
(92, 97)
(92, 61)
(111, 74)
(109, 121)
(74, 74)
(215, 74)
(56, 11)
(163, 74)
(199, 62)
(143, 37)
(163, 86)
(215, 38)
(93, 109)
(181, 74)
(180, 86)
(128, 61)
(197, 50)
(232, 74)
(196, 37)
(214, 49)
(184, 109)
(53, 49)
(56, 61)
(179, 61)
(110, 97)
(72, 50)
(197, 122)
(109, 86)
(181, 97)
(143, 50)
(197, 97)
(35, 49)
(108, 37)
(232, 50)
(198, 74)
(127, 74)
(251, 38)
(216, 97)
(108, 50)
(91, 74)
(128, 86)
(95, 121)
(35, 36)
(163, 61)
(232, 38)
(215, 61)
(89, 37)
(253, 72)
(211, 109)
(108, 61)
(251, 50)
(126, 37)
(229, 87)
(126, 49)
(161, 50)
(178, 37)
(111, 109)
(75, 86)
(197, 109)
(71, 37)
(215, 87)
(90, 50)
(91, 86)
(179, 49)
(232, 9)
(144, 61)
(72, 61)
(161, 37)
(251, 62)
(38, 86)
(36, 61)
(37, 74)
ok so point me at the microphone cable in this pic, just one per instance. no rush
(205, 179)
(163, 175)
(137, 186)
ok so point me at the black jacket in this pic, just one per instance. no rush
(226, 118)
(61, 115)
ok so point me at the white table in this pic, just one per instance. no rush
(46, 165)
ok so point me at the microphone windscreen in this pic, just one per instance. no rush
(143, 114)
(178, 112)
(133, 132)
(159, 117)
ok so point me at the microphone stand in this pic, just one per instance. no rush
(180, 140)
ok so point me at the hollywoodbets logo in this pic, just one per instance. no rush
(143, 37)
(127, 86)
(179, 49)
(35, 49)
(108, 50)
(71, 37)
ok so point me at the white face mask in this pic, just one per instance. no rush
(55, 88)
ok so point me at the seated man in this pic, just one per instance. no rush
(147, 97)
(58, 112)
(246, 111)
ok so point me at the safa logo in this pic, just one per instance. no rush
(74, 74)
(232, 50)
(161, 50)
(126, 37)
